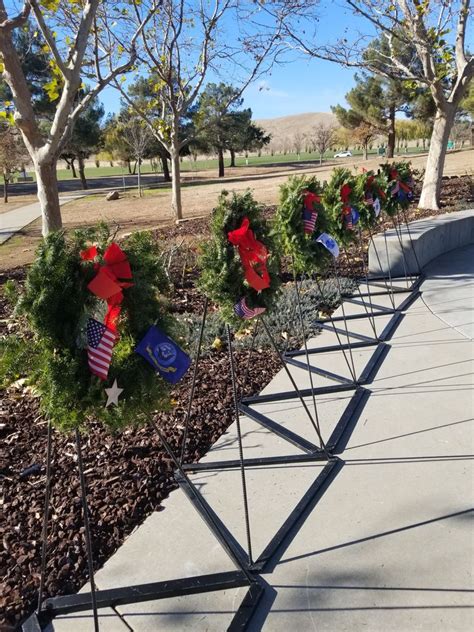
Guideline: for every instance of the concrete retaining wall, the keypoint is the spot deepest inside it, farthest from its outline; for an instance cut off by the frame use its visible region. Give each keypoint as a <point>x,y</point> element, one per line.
<point>430,238</point>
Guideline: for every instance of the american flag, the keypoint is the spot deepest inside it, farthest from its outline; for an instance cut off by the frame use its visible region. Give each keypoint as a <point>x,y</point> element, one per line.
<point>347,219</point>
<point>309,221</point>
<point>243,311</point>
<point>100,343</point>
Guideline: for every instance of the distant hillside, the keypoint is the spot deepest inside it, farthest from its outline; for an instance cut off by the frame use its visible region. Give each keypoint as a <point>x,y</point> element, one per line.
<point>284,128</point>
<point>302,123</point>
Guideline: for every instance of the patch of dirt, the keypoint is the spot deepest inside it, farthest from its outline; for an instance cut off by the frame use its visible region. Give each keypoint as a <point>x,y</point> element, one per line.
<point>128,474</point>
<point>154,211</point>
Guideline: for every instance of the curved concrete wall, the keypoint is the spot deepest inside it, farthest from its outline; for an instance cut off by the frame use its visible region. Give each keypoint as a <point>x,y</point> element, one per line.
<point>430,238</point>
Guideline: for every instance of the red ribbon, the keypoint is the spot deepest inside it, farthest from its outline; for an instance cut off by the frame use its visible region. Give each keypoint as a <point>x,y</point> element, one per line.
<point>310,199</point>
<point>253,255</point>
<point>109,280</point>
<point>395,176</point>
<point>370,181</point>
<point>345,194</point>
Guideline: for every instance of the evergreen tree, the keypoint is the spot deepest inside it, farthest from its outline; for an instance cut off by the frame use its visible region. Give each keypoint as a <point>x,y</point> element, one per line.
<point>86,138</point>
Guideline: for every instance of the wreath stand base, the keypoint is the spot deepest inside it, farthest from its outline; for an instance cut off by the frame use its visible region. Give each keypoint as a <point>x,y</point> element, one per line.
<point>309,453</point>
<point>94,600</point>
<point>375,286</point>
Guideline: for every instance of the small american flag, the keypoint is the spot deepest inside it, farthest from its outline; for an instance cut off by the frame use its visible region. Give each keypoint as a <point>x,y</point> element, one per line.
<point>309,221</point>
<point>243,311</point>
<point>100,343</point>
<point>347,220</point>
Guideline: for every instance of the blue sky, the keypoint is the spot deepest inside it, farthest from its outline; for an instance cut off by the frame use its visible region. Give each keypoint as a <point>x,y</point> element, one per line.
<point>301,85</point>
<point>295,88</point>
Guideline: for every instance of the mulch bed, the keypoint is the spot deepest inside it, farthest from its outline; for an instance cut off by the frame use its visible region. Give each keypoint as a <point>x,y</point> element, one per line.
<point>128,474</point>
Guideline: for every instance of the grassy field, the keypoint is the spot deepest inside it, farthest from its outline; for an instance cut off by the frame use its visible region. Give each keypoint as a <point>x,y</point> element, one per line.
<point>189,165</point>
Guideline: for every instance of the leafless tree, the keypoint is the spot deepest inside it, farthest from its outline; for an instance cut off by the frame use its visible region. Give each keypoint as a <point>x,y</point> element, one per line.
<point>298,142</point>
<point>79,40</point>
<point>186,41</point>
<point>13,156</point>
<point>138,137</point>
<point>323,137</point>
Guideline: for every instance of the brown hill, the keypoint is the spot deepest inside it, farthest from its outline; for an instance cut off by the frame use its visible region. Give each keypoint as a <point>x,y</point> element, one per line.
<point>302,123</point>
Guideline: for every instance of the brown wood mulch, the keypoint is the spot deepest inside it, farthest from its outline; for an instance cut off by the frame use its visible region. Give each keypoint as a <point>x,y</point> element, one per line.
<point>128,473</point>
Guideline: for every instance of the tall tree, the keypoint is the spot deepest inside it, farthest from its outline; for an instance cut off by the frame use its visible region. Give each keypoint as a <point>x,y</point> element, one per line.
<point>244,135</point>
<point>86,138</point>
<point>81,44</point>
<point>217,118</point>
<point>185,42</point>
<point>436,31</point>
<point>375,102</point>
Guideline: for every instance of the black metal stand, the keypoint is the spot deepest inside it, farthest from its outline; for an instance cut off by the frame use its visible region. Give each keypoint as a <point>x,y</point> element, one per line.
<point>94,600</point>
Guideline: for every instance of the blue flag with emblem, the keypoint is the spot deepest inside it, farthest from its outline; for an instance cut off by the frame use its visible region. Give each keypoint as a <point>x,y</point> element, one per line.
<point>164,355</point>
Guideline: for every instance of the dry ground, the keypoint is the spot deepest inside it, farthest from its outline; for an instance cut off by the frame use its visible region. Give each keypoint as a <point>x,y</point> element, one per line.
<point>154,209</point>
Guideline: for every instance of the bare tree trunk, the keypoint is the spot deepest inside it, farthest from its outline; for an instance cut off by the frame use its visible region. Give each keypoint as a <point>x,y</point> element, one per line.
<point>48,195</point>
<point>5,189</point>
<point>82,173</point>
<point>166,169</point>
<point>232,158</point>
<point>320,158</point>
<point>71,165</point>
<point>391,133</point>
<point>176,204</point>
<point>430,193</point>
<point>366,152</point>
<point>129,167</point>
<point>220,158</point>
<point>73,168</point>
<point>139,179</point>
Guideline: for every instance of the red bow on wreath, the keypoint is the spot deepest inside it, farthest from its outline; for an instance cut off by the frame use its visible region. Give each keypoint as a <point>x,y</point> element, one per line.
<point>370,181</point>
<point>253,255</point>
<point>346,207</point>
<point>310,199</point>
<point>108,282</point>
<point>398,183</point>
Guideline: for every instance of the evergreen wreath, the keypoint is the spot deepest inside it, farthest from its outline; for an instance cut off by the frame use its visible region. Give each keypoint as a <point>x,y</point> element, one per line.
<point>222,277</point>
<point>371,187</point>
<point>51,317</point>
<point>342,197</point>
<point>399,186</point>
<point>288,227</point>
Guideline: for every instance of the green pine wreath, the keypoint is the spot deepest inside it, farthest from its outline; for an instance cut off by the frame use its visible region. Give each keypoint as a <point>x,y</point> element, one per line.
<point>222,277</point>
<point>333,204</point>
<point>370,185</point>
<point>306,254</point>
<point>393,172</point>
<point>51,316</point>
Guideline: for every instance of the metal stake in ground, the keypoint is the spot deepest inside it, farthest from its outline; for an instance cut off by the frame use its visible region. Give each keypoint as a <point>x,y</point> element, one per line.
<point>404,213</point>
<point>44,534</point>
<point>87,531</point>
<point>374,246</point>
<point>193,383</point>
<point>305,342</point>
<point>338,283</point>
<point>239,437</point>
<point>292,380</point>
<point>336,331</point>
<point>366,277</point>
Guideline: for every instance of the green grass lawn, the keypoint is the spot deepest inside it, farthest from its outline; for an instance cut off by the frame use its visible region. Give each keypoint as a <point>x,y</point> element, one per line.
<point>203,165</point>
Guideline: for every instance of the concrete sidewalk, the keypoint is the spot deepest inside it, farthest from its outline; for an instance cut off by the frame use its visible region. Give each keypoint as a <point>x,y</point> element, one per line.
<point>389,546</point>
<point>17,219</point>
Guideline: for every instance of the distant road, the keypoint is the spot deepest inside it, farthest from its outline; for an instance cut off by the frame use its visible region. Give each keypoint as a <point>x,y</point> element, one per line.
<point>73,185</point>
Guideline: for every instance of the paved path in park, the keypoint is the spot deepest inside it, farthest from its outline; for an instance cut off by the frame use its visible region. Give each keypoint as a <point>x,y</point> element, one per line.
<point>389,545</point>
<point>14,221</point>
